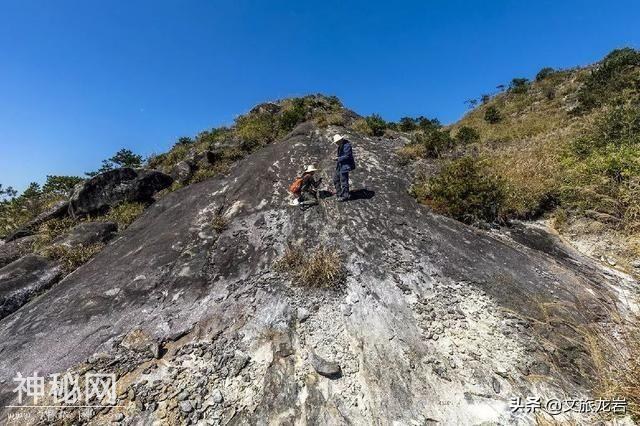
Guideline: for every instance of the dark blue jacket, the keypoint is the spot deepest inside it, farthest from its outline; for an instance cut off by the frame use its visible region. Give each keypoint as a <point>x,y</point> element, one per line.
<point>345,163</point>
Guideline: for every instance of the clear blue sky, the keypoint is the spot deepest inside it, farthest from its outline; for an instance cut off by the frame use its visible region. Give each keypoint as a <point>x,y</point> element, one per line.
<point>81,79</point>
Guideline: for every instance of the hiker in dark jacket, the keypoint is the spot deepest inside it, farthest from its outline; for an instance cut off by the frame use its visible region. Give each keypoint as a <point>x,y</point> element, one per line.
<point>309,188</point>
<point>344,164</point>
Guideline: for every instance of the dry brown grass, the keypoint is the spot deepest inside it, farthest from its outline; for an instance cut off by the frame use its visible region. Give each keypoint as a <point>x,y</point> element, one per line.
<point>219,223</point>
<point>319,268</point>
<point>72,257</point>
<point>617,362</point>
<point>411,152</point>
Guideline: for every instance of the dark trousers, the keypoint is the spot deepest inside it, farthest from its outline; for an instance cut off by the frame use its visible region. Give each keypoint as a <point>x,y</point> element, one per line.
<point>341,183</point>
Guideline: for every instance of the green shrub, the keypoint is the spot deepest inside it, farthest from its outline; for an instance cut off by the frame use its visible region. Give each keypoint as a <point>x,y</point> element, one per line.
<point>255,130</point>
<point>544,73</point>
<point>407,124</point>
<point>17,211</point>
<point>603,166</point>
<point>435,142</point>
<point>377,124</point>
<point>467,135</point>
<point>464,191</point>
<point>492,115</point>
<point>519,85</point>
<point>293,114</point>
<point>123,158</point>
<point>60,185</point>
<point>617,73</point>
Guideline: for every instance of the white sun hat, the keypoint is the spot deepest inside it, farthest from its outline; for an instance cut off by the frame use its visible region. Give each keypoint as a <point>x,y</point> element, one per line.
<point>337,138</point>
<point>310,168</point>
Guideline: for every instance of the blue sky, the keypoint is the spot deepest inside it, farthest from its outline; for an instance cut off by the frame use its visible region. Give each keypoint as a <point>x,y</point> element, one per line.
<point>81,79</point>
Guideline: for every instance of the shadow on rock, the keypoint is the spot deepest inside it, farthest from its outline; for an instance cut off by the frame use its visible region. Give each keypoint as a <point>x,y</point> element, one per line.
<point>361,194</point>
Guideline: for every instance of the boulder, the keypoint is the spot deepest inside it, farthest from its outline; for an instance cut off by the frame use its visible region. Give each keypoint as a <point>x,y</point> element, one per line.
<point>15,249</point>
<point>88,233</point>
<point>326,368</point>
<point>25,278</point>
<point>182,171</point>
<point>108,189</point>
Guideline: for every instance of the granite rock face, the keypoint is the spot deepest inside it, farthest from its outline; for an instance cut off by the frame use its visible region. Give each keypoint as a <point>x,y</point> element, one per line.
<point>88,233</point>
<point>23,279</point>
<point>445,322</point>
<point>15,249</point>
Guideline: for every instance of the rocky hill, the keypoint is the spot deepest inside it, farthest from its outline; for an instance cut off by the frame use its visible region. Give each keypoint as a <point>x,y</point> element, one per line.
<point>196,310</point>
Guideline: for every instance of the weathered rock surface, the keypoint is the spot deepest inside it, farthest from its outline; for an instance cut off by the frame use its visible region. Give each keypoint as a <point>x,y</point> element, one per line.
<point>23,279</point>
<point>88,233</point>
<point>116,186</point>
<point>182,171</point>
<point>15,249</point>
<point>446,322</point>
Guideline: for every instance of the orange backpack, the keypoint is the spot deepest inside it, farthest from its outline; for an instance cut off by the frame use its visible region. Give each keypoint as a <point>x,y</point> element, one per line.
<point>296,186</point>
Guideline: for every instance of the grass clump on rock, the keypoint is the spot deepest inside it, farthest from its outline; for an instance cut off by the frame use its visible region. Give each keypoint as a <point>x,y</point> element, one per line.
<point>72,258</point>
<point>320,267</point>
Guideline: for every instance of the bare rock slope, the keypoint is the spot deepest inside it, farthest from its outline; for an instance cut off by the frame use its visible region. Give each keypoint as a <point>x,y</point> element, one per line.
<point>435,322</point>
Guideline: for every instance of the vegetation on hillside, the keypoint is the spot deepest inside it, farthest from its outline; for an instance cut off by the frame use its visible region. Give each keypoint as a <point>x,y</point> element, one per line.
<point>566,144</point>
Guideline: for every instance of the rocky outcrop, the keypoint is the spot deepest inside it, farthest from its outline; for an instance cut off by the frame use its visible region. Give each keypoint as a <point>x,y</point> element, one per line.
<point>15,249</point>
<point>110,188</point>
<point>23,279</point>
<point>435,321</point>
<point>88,233</point>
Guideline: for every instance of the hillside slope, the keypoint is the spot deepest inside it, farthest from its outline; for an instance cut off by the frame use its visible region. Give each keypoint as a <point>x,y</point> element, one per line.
<point>436,321</point>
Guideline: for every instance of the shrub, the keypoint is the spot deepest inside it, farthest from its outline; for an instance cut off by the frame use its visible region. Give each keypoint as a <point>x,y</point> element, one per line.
<point>71,258</point>
<point>318,268</point>
<point>255,130</point>
<point>292,114</point>
<point>428,124</point>
<point>608,81</point>
<point>463,191</point>
<point>123,158</point>
<point>519,85</point>
<point>435,142</point>
<point>60,185</point>
<point>377,124</point>
<point>492,115</point>
<point>485,99</point>
<point>407,124</point>
<point>467,135</point>
<point>17,211</point>
<point>603,166</point>
<point>544,73</point>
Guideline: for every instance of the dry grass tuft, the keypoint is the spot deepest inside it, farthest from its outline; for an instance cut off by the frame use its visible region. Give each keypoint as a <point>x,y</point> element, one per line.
<point>219,223</point>
<point>318,268</point>
<point>124,214</point>
<point>72,257</point>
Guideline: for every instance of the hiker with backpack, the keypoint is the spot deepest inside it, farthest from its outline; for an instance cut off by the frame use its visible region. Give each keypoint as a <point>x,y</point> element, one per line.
<point>306,188</point>
<point>344,164</point>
